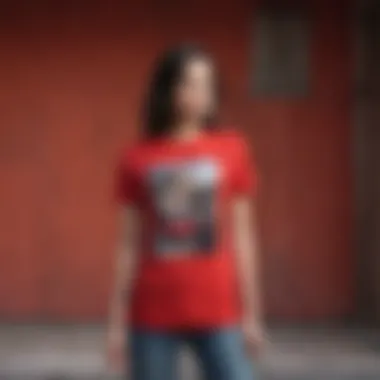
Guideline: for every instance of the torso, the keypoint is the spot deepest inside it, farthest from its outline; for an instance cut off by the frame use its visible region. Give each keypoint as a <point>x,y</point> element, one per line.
<point>187,274</point>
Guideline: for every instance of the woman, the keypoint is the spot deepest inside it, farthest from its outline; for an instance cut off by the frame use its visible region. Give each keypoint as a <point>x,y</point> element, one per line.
<point>186,269</point>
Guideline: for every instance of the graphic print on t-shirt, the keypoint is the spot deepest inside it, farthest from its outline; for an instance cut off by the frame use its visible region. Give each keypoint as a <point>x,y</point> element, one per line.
<point>183,195</point>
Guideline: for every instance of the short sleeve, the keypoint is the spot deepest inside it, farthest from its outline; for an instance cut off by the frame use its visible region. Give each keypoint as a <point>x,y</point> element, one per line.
<point>244,172</point>
<point>126,184</point>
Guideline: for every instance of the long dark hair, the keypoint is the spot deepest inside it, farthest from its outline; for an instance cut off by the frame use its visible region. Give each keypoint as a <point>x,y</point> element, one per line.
<point>158,111</point>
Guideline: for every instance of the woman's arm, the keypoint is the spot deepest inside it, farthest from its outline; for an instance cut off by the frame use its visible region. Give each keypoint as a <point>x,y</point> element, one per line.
<point>124,275</point>
<point>247,259</point>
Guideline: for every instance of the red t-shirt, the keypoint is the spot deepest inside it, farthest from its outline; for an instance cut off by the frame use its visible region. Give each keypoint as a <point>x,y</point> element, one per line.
<point>183,191</point>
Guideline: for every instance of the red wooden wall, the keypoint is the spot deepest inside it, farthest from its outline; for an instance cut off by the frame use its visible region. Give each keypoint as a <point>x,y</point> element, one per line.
<point>71,85</point>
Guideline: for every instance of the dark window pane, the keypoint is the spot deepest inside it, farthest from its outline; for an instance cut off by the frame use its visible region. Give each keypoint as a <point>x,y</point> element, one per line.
<point>281,53</point>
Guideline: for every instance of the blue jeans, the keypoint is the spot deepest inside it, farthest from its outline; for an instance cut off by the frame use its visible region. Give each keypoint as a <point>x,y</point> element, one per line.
<point>220,353</point>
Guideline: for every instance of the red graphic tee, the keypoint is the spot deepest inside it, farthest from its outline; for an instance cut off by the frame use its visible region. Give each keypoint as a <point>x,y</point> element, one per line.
<point>184,191</point>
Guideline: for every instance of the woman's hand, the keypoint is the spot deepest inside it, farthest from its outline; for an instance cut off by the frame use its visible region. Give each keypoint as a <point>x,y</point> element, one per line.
<point>116,353</point>
<point>125,270</point>
<point>254,338</point>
